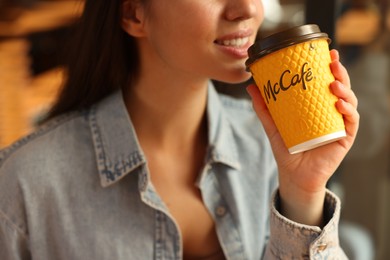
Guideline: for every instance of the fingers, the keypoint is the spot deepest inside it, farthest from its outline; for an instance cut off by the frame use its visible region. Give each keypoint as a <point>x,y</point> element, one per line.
<point>339,71</point>
<point>351,117</point>
<point>342,92</point>
<point>341,87</point>
<point>334,55</point>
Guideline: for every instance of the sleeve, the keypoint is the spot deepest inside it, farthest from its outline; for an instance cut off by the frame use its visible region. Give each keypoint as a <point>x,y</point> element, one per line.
<point>13,242</point>
<point>291,240</point>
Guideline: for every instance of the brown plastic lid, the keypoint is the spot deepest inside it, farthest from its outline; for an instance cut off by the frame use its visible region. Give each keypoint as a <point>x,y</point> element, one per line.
<point>283,39</point>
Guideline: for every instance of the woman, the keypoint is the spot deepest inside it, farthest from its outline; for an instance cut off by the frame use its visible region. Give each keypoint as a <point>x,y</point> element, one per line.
<point>142,159</point>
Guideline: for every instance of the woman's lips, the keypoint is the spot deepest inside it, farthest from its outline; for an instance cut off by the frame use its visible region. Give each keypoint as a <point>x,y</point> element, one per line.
<point>236,47</point>
<point>235,42</point>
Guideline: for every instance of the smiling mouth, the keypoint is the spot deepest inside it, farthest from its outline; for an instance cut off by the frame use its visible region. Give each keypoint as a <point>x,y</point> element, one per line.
<point>237,42</point>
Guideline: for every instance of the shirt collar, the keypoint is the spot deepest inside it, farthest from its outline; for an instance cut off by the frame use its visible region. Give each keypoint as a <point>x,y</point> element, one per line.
<point>118,151</point>
<point>116,145</point>
<point>222,145</point>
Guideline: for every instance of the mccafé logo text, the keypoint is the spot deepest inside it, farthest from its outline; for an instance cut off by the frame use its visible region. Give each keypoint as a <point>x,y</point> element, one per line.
<point>286,81</point>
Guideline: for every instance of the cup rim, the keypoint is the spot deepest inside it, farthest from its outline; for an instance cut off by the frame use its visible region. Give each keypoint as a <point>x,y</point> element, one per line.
<point>283,39</point>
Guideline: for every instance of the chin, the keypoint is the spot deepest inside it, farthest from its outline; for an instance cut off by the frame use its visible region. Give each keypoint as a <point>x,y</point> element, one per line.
<point>236,77</point>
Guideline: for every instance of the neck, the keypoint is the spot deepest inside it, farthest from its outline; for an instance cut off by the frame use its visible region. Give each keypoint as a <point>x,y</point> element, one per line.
<point>167,105</point>
<point>168,115</point>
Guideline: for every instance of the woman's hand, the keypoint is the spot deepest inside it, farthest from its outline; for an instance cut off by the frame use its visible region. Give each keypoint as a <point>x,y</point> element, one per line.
<point>303,176</point>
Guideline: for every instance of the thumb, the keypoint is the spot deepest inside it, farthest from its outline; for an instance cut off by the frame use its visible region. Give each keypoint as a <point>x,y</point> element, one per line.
<point>265,117</point>
<point>261,110</point>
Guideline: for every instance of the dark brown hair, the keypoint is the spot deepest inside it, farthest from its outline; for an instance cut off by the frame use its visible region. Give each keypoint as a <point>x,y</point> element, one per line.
<point>101,58</point>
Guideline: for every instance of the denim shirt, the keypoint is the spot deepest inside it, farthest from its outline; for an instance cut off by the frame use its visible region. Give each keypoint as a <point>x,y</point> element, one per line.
<point>79,188</point>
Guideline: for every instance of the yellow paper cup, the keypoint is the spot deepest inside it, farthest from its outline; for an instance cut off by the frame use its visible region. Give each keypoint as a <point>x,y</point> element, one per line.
<point>291,69</point>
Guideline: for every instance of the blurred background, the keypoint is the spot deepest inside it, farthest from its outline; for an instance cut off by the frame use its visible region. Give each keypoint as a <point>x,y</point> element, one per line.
<point>33,34</point>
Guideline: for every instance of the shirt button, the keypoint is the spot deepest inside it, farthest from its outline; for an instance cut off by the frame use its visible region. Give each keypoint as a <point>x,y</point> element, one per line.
<point>321,247</point>
<point>220,211</point>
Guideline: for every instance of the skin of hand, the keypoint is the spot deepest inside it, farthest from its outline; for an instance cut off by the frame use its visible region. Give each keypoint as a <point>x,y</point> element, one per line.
<point>303,176</point>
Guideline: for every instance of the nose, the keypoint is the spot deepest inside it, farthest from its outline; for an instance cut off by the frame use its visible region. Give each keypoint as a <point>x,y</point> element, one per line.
<point>237,10</point>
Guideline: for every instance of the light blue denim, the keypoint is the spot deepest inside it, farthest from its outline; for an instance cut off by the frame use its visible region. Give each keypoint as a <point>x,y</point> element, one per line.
<point>79,188</point>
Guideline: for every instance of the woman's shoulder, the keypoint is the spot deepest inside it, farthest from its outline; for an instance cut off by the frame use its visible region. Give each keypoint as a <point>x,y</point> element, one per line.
<point>38,164</point>
<point>45,143</point>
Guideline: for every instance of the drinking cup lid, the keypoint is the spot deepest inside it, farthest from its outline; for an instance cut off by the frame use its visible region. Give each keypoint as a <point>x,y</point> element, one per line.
<point>283,39</point>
